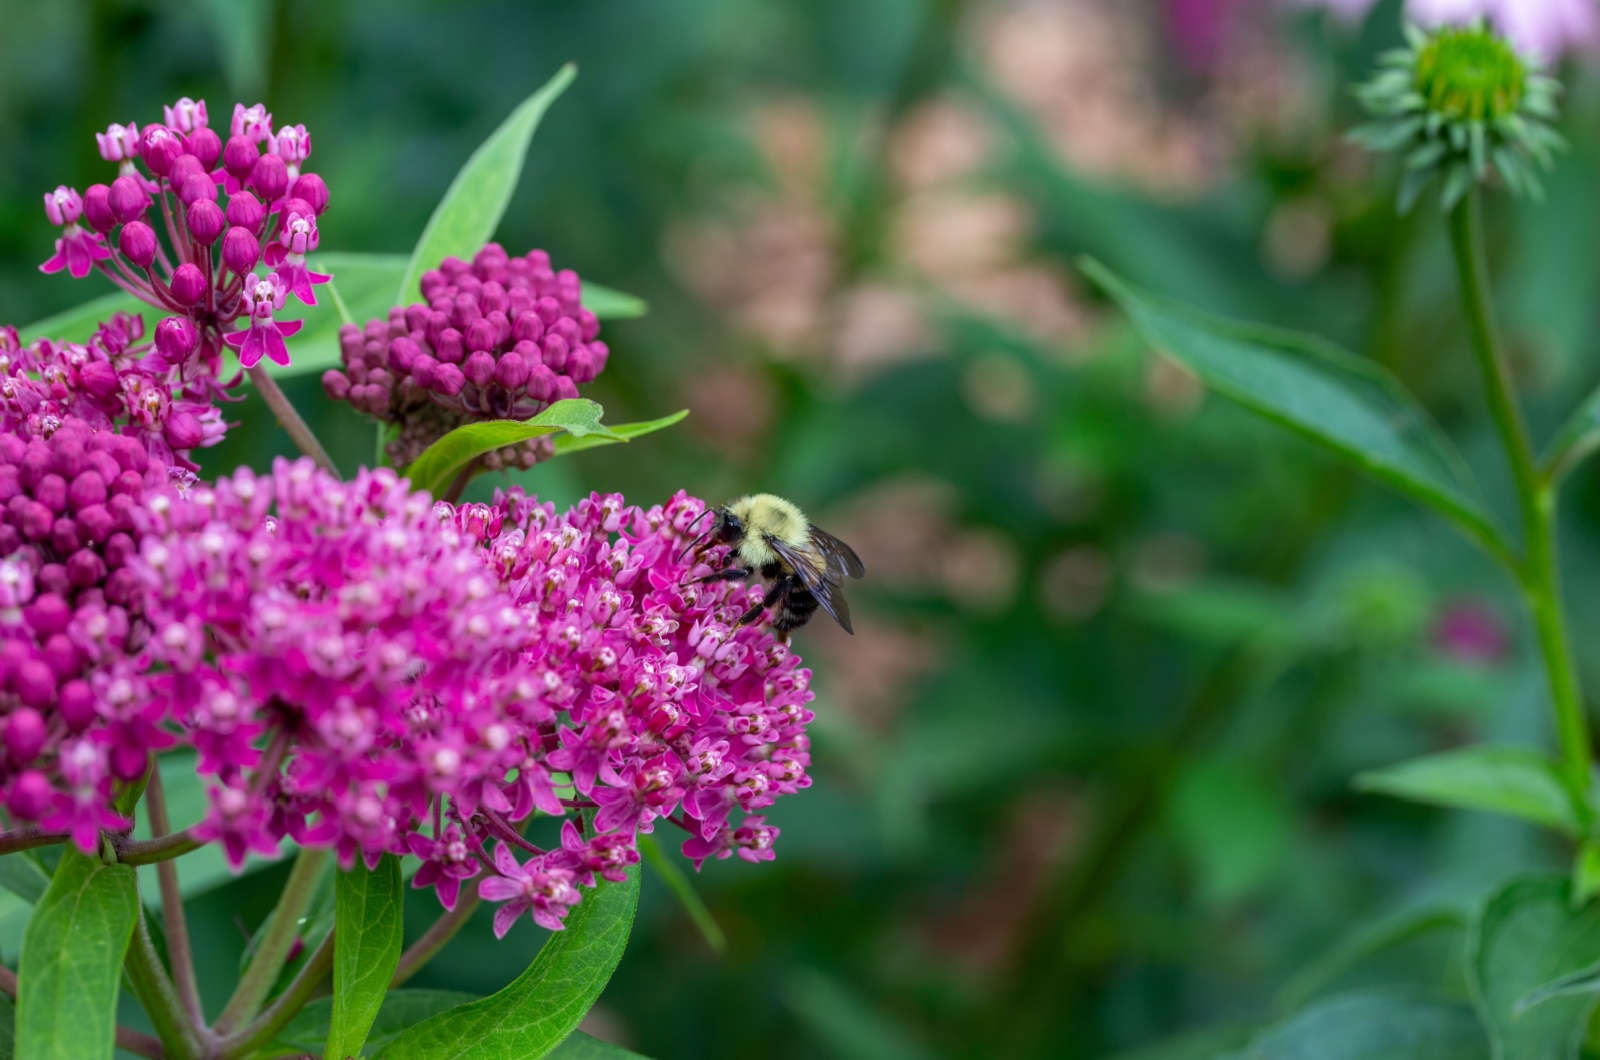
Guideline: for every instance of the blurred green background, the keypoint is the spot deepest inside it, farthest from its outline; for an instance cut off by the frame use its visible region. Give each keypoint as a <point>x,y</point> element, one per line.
<point>1083,774</point>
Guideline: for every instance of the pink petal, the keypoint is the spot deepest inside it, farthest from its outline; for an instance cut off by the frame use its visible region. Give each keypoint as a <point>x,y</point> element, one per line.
<point>505,916</point>
<point>498,889</point>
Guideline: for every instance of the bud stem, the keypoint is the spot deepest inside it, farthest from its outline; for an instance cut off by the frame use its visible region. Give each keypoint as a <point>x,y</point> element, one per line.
<point>290,419</point>
<point>1539,570</point>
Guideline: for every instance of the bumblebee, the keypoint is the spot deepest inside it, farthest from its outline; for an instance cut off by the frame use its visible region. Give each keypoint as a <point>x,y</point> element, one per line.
<point>806,566</point>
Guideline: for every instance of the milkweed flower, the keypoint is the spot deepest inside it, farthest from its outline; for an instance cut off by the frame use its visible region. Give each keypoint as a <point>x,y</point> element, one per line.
<point>497,338</point>
<point>263,337</point>
<point>187,218</point>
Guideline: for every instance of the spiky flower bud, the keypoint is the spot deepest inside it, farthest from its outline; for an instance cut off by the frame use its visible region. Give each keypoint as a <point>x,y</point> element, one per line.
<point>1458,103</point>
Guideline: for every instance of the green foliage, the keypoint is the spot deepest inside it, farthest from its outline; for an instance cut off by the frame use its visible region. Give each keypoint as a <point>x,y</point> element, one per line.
<point>366,950</point>
<point>622,432</point>
<point>308,1031</point>
<point>72,961</point>
<point>1511,780</point>
<point>543,1005</point>
<point>1398,1024</point>
<point>1528,943</point>
<point>439,464</point>
<point>582,1047</point>
<point>469,213</point>
<point>682,889</point>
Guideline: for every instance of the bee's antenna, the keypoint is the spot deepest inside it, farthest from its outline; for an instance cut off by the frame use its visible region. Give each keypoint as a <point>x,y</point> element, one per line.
<point>691,545</point>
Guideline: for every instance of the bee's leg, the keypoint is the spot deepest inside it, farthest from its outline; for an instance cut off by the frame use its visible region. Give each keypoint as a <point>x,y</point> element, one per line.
<point>779,590</point>
<point>736,574</point>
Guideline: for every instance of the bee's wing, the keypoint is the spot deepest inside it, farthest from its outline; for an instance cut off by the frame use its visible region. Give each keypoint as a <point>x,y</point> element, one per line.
<point>817,573</point>
<point>841,557</point>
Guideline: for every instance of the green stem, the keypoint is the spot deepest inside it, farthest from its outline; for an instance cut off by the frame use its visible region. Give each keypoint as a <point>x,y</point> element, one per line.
<point>180,1039</point>
<point>172,914</point>
<point>289,417</point>
<point>261,1030</point>
<point>270,956</point>
<point>1540,568</point>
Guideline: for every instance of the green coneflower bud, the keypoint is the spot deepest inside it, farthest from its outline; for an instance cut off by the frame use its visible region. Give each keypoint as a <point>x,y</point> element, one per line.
<point>1459,102</point>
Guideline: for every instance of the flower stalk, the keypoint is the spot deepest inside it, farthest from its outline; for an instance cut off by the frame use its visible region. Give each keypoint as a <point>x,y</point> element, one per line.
<point>271,955</point>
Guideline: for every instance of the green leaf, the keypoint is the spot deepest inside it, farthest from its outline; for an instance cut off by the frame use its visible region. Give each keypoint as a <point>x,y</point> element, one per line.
<point>610,304</point>
<point>72,960</point>
<point>308,1031</point>
<point>1369,940</point>
<point>1586,871</point>
<point>1583,982</point>
<point>582,1047</point>
<point>366,950</point>
<point>8,1028</point>
<point>1529,937</point>
<point>440,462</point>
<point>1510,780</point>
<point>683,889</point>
<point>850,1027</point>
<point>1394,1024</point>
<point>79,323</point>
<point>543,1005</point>
<point>470,211</point>
<point>622,432</point>
<point>1577,440</point>
<point>23,876</point>
<point>1348,405</point>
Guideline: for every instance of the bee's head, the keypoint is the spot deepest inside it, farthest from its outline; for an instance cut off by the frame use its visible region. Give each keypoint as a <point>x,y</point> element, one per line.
<point>729,528</point>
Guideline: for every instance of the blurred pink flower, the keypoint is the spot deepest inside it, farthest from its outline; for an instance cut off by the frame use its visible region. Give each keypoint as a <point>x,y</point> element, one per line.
<point>1545,28</point>
<point>1472,632</point>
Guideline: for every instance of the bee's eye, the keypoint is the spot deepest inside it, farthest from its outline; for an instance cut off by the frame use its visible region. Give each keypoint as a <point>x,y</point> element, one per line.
<point>731,526</point>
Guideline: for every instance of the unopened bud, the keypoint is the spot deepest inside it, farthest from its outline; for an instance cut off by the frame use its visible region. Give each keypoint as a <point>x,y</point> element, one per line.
<point>138,243</point>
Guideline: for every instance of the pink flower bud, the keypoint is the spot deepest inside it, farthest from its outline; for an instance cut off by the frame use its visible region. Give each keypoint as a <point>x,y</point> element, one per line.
<point>31,796</point>
<point>311,188</point>
<point>24,735</point>
<point>246,211</point>
<point>182,431</point>
<point>336,384</point>
<point>448,380</point>
<point>270,178</point>
<point>206,146</point>
<point>159,146</point>
<point>206,221</point>
<point>240,251</point>
<point>512,371</point>
<point>99,378</point>
<point>138,243</point>
<point>197,187</point>
<point>186,166</point>
<point>480,336</point>
<point>239,157</point>
<point>403,353</point>
<point>76,704</point>
<point>479,368</point>
<point>292,144</point>
<point>176,338</point>
<point>254,122</point>
<point>35,684</point>
<point>97,208</point>
<point>128,199</point>
<point>63,206</point>
<point>186,115</point>
<point>188,284</point>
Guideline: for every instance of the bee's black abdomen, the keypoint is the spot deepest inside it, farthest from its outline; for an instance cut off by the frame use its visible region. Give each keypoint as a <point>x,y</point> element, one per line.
<point>794,610</point>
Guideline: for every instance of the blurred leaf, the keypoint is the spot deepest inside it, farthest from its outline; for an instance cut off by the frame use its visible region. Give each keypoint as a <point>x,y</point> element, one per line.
<point>544,1004</point>
<point>470,211</point>
<point>1584,982</point>
<point>244,31</point>
<point>366,950</point>
<point>582,1047</point>
<point>1369,940</point>
<point>308,1031</point>
<point>23,876</point>
<point>1586,871</point>
<point>1235,828</point>
<point>622,432</point>
<point>72,960</point>
<point>682,888</point>
<point>846,1024</point>
<point>1512,780</point>
<point>439,464</point>
<point>1207,1044</point>
<point>610,304</point>
<point>1394,1024</point>
<point>1577,440</point>
<point>1351,406</point>
<point>1529,937</point>
<point>79,323</point>
<point>8,1028</point>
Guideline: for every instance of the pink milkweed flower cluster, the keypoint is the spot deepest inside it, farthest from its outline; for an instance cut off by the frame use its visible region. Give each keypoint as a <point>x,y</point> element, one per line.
<point>152,389</point>
<point>363,669</point>
<point>163,231</point>
<point>499,338</point>
<point>1547,29</point>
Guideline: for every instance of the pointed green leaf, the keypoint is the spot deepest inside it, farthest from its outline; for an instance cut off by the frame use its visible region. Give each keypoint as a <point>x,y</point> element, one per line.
<point>1583,982</point>
<point>79,323</point>
<point>1398,1023</point>
<point>610,304</point>
<point>23,876</point>
<point>543,1005</point>
<point>72,961</point>
<point>439,464</point>
<point>683,890</point>
<point>1510,780</point>
<point>470,211</point>
<point>622,432</point>
<point>1346,404</point>
<point>1530,938</point>
<point>366,950</point>
<point>1576,441</point>
<point>582,1047</point>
